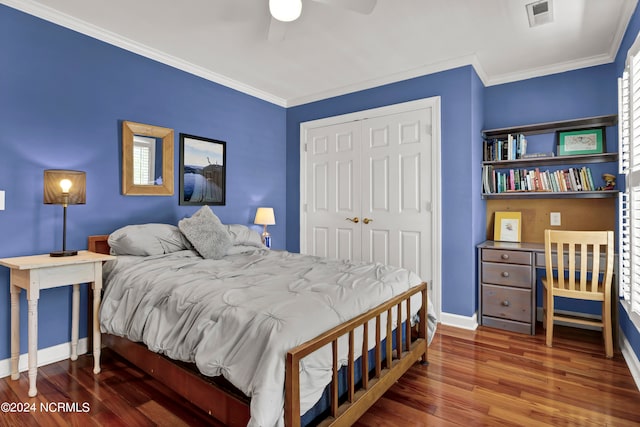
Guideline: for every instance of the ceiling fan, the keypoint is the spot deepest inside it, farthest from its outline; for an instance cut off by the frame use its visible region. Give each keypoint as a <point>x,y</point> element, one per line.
<point>283,11</point>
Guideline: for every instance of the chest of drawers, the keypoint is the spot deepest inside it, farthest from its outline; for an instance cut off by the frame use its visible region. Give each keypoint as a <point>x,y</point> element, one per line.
<point>506,289</point>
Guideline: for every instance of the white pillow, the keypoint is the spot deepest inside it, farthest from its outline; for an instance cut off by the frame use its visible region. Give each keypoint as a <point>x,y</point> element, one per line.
<point>241,235</point>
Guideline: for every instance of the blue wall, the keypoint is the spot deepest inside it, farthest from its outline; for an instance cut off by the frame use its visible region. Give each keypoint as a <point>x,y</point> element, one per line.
<point>631,331</point>
<point>478,204</point>
<point>582,93</point>
<point>63,96</point>
<point>461,94</point>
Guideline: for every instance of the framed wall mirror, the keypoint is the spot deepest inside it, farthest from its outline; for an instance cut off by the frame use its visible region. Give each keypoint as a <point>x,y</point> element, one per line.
<point>147,160</point>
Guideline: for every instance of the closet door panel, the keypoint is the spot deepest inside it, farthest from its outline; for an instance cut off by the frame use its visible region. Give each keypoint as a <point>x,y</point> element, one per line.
<point>401,142</point>
<point>333,191</point>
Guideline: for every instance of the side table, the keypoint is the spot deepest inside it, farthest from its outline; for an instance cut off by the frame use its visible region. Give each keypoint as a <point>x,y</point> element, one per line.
<point>37,272</point>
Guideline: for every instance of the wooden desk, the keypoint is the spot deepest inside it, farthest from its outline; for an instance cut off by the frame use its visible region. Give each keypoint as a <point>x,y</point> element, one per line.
<point>37,272</point>
<point>507,284</point>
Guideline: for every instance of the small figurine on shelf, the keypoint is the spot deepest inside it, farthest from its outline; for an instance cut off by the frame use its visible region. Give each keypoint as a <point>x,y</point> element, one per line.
<point>609,180</point>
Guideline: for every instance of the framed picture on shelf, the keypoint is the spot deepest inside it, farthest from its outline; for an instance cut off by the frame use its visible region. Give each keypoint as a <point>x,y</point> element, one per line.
<point>577,142</point>
<point>202,171</point>
<point>507,226</point>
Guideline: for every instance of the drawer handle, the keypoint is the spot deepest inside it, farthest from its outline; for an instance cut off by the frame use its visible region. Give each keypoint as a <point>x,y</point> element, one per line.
<point>506,303</point>
<point>505,274</point>
<point>505,256</point>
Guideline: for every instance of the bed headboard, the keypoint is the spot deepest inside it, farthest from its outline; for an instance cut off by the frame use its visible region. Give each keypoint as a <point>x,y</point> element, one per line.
<point>99,244</point>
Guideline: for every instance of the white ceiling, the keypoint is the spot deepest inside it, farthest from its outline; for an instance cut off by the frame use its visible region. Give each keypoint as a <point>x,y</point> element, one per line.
<point>330,51</point>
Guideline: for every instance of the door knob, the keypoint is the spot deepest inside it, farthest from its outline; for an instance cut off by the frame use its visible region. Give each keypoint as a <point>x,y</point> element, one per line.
<point>367,220</point>
<point>355,219</point>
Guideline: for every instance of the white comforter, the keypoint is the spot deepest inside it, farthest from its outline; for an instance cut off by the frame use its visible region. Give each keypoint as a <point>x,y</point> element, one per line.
<point>238,316</point>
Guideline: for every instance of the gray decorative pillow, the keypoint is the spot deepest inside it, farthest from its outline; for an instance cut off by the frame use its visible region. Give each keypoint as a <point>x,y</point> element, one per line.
<point>206,233</point>
<point>147,240</point>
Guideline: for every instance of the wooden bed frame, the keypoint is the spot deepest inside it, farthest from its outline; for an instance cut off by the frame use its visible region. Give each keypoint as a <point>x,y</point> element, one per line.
<point>219,399</point>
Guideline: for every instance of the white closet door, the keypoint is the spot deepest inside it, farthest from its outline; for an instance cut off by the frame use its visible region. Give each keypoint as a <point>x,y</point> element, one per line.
<point>382,165</point>
<point>333,191</point>
<point>396,190</point>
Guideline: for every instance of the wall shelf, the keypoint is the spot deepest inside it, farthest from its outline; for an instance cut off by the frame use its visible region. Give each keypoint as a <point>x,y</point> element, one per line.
<point>557,161</point>
<point>564,125</point>
<point>551,161</point>
<point>552,195</point>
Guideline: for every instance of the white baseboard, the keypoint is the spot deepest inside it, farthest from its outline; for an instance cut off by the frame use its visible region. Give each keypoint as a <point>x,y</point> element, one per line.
<point>46,356</point>
<point>459,321</point>
<point>630,357</point>
<point>471,323</point>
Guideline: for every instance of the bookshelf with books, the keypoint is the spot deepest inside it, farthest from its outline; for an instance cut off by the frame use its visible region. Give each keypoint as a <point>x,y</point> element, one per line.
<point>513,163</point>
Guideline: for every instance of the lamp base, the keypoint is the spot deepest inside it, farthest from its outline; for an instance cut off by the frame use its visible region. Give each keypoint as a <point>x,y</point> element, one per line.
<point>266,238</point>
<point>63,253</point>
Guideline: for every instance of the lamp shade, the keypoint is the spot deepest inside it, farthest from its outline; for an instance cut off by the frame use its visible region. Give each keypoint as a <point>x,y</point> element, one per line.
<point>265,216</point>
<point>57,180</point>
<point>1,200</point>
<point>285,10</point>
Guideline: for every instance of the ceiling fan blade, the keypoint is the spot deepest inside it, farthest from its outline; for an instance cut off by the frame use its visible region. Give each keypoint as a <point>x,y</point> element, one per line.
<point>277,30</point>
<point>361,6</point>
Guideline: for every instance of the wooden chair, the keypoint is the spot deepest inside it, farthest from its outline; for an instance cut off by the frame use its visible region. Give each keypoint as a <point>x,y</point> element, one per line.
<point>584,277</point>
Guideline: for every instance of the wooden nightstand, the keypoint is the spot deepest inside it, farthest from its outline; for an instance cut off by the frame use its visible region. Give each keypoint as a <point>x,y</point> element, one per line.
<point>33,273</point>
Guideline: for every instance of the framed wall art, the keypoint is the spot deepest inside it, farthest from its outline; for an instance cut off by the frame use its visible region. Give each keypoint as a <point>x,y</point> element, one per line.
<point>507,226</point>
<point>578,142</point>
<point>202,170</point>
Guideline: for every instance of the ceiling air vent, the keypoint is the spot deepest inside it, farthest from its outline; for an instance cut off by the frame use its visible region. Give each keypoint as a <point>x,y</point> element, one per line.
<point>540,12</point>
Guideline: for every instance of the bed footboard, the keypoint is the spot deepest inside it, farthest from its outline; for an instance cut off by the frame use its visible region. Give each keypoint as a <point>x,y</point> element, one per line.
<point>371,387</point>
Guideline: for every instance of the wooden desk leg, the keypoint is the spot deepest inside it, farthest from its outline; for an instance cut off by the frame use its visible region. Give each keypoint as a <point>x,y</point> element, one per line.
<point>33,344</point>
<point>15,331</point>
<point>97,287</point>
<point>75,321</point>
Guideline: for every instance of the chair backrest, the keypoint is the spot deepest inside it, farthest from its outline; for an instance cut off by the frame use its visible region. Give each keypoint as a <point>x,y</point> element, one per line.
<point>568,251</point>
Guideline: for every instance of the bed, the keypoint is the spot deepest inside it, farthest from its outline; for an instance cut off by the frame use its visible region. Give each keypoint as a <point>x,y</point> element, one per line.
<point>220,329</point>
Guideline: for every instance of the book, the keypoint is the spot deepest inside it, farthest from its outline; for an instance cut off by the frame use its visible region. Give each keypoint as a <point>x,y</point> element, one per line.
<point>590,177</point>
<point>567,181</point>
<point>584,179</point>
<point>523,146</point>
<point>487,177</point>
<point>524,180</point>
<point>538,183</point>
<point>576,177</point>
<point>537,155</point>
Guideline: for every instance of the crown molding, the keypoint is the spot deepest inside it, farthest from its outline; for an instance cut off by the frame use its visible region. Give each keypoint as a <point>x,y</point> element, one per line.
<point>627,13</point>
<point>54,16</point>
<point>67,21</point>
<point>551,69</point>
<point>393,78</point>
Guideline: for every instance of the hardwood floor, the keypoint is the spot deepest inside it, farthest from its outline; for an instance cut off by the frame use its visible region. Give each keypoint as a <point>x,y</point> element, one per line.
<point>475,378</point>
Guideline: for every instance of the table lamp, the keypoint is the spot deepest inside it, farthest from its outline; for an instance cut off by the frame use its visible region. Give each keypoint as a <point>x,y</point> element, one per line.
<point>64,187</point>
<point>265,216</point>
